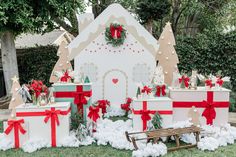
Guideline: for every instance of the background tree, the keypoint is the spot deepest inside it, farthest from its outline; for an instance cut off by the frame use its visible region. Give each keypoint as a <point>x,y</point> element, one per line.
<point>152,10</point>
<point>23,16</point>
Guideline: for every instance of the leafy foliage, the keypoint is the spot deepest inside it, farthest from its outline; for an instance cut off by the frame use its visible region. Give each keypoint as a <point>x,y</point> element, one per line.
<point>152,9</point>
<point>38,16</point>
<point>36,63</point>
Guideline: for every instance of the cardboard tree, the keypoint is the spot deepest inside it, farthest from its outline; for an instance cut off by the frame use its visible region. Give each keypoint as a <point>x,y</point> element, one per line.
<point>63,62</point>
<point>166,55</point>
<point>16,97</point>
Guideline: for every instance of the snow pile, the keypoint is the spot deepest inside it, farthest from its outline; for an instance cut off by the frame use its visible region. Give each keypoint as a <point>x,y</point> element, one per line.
<point>188,138</point>
<point>113,133</point>
<point>152,150</point>
<point>36,144</point>
<point>114,110</point>
<point>5,143</point>
<point>72,141</point>
<point>181,124</point>
<point>208,143</point>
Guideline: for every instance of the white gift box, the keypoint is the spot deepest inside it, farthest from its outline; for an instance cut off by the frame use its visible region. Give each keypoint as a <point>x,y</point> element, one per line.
<point>212,100</point>
<point>162,105</point>
<point>50,123</point>
<point>19,138</point>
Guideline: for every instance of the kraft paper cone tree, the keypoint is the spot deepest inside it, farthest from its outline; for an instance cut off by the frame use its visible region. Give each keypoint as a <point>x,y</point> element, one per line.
<point>63,62</point>
<point>167,56</point>
<point>16,97</point>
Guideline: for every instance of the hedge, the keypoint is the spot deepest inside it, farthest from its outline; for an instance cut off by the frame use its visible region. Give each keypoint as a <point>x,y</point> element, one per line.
<point>36,63</point>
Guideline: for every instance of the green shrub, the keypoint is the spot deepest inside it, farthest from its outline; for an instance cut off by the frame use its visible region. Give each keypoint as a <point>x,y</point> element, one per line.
<point>36,63</point>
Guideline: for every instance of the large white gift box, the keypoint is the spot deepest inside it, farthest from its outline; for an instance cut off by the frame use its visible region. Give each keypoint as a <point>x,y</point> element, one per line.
<point>212,104</point>
<point>50,123</point>
<point>16,131</point>
<point>144,109</point>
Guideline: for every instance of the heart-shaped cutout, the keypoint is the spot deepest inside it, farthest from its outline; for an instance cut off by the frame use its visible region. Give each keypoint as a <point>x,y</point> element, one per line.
<point>115,80</point>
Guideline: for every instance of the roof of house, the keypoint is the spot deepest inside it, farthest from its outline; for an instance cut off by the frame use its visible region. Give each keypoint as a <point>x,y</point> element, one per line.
<point>113,13</point>
<point>31,40</point>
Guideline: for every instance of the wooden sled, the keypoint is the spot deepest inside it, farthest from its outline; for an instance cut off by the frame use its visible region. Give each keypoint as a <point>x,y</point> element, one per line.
<point>155,136</point>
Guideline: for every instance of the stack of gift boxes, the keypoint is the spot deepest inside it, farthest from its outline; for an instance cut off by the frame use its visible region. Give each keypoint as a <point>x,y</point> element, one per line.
<point>50,122</point>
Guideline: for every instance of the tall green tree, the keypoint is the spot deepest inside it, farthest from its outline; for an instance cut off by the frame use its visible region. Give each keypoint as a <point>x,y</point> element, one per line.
<point>22,16</point>
<point>152,10</point>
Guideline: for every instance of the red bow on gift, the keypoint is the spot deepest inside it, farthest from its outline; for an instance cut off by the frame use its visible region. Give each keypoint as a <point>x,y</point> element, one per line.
<point>103,105</point>
<point>220,82</point>
<point>185,79</point>
<point>145,115</point>
<point>115,31</point>
<point>53,114</point>
<point>209,113</point>
<point>208,83</point>
<point>160,90</point>
<point>65,77</point>
<point>146,89</point>
<point>93,113</point>
<point>16,124</point>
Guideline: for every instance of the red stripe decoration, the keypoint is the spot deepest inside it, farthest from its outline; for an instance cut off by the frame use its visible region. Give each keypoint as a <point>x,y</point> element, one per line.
<point>16,126</point>
<point>145,114</point>
<point>79,96</point>
<point>209,105</point>
<point>49,114</point>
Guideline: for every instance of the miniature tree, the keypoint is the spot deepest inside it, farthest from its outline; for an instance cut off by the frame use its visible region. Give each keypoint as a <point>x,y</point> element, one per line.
<point>63,63</point>
<point>138,92</point>
<point>167,56</point>
<point>86,80</point>
<point>16,97</point>
<point>157,121</point>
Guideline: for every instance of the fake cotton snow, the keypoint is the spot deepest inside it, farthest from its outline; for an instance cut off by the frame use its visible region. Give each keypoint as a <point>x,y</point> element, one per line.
<point>152,150</point>
<point>208,143</point>
<point>5,144</point>
<point>113,110</point>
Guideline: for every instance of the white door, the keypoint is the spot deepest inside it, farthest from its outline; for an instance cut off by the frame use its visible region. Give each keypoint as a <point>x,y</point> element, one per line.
<point>115,87</point>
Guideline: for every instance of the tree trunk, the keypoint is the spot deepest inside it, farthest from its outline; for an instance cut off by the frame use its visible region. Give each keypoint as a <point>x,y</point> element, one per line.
<point>149,25</point>
<point>9,60</point>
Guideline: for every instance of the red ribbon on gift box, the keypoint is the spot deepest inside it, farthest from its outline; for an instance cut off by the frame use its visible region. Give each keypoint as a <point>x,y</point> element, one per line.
<point>49,114</point>
<point>16,125</point>
<point>209,112</point>
<point>79,96</point>
<point>145,114</point>
<point>209,83</point>
<point>220,82</point>
<point>160,90</point>
<point>94,113</point>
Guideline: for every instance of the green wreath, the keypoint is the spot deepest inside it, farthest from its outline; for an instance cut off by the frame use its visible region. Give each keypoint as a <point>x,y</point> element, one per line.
<point>115,34</point>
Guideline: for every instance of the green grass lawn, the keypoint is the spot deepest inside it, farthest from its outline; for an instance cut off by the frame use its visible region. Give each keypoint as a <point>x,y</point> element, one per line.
<point>108,151</point>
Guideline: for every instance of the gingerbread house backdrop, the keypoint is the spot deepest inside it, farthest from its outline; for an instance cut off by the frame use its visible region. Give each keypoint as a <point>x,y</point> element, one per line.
<point>114,71</point>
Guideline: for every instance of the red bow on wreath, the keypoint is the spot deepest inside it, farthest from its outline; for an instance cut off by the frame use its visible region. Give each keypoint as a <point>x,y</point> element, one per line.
<point>65,77</point>
<point>115,31</point>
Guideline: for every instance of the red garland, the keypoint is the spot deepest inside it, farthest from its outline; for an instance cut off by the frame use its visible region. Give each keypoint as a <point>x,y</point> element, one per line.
<point>16,125</point>
<point>65,77</point>
<point>185,80</point>
<point>115,31</point>
<point>103,105</point>
<point>94,113</point>
<point>146,89</point>
<point>160,90</point>
<point>208,83</point>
